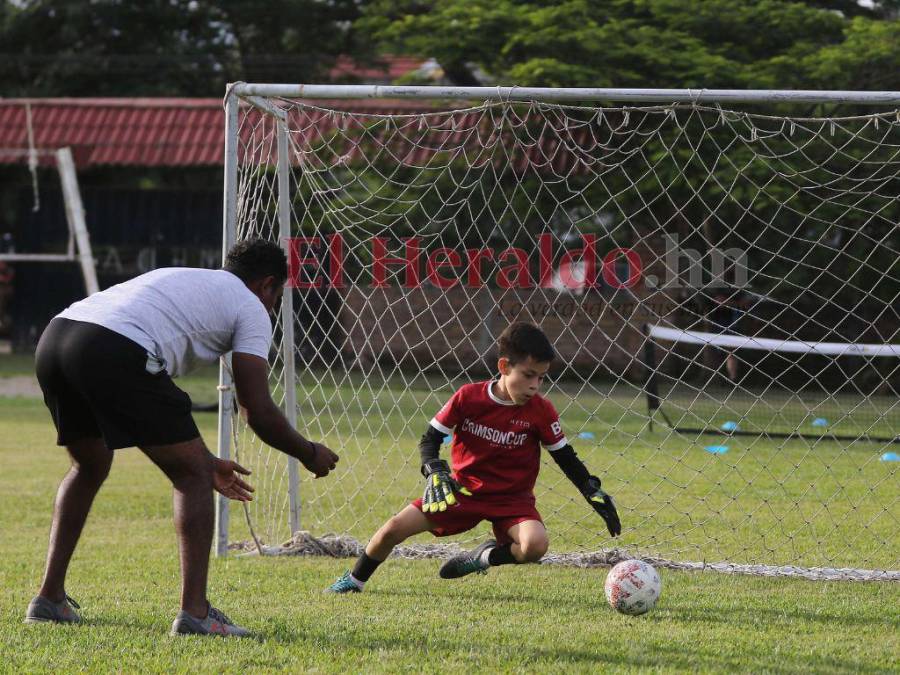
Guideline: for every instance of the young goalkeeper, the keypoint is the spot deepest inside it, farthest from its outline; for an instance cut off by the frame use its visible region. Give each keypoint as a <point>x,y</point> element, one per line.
<point>497,429</point>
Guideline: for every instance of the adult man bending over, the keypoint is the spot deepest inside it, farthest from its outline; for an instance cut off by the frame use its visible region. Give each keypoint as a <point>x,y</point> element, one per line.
<point>105,366</point>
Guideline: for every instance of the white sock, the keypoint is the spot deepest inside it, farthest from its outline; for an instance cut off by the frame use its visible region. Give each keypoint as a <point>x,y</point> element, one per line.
<point>485,556</point>
<point>359,584</point>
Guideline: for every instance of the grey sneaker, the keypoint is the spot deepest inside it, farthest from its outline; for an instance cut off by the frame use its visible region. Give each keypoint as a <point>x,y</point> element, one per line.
<point>344,585</point>
<point>42,610</point>
<point>215,623</point>
<point>466,563</point>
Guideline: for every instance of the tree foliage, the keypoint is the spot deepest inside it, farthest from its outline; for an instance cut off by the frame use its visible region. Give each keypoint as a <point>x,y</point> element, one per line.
<point>740,44</point>
<point>649,43</point>
<point>166,47</point>
<point>193,47</point>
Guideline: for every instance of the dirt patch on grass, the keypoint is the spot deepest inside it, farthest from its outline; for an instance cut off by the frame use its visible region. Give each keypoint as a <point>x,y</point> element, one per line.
<point>20,385</point>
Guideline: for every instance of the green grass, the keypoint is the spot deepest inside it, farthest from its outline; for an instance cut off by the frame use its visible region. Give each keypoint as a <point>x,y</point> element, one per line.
<point>530,618</point>
<point>803,502</point>
<point>16,364</point>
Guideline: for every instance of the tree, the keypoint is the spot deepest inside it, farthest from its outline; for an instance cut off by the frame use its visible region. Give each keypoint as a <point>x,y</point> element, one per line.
<point>166,47</point>
<point>648,43</point>
<point>741,44</point>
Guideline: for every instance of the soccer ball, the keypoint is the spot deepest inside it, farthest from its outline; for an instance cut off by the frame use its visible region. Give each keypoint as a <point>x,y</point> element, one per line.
<point>632,587</point>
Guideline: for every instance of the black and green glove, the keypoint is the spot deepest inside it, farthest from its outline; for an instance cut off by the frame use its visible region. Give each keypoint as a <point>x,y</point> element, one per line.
<point>440,487</point>
<point>603,504</point>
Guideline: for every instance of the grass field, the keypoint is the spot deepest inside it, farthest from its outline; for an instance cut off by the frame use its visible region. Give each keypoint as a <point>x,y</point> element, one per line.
<point>807,502</point>
<point>534,618</point>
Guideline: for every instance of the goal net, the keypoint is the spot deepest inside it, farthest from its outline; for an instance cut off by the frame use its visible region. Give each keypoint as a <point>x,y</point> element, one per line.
<point>658,245</point>
<point>776,388</point>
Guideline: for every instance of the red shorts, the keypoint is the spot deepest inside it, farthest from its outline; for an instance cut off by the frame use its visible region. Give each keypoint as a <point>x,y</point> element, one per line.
<point>469,511</point>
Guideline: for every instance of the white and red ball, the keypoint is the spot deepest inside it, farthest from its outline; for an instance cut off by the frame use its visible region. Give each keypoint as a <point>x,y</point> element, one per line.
<point>632,587</point>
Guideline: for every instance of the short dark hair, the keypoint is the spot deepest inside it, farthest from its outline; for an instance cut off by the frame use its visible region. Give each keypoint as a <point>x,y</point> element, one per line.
<point>521,340</point>
<point>253,259</point>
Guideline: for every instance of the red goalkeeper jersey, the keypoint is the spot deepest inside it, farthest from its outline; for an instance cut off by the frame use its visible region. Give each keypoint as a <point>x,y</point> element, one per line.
<point>496,443</point>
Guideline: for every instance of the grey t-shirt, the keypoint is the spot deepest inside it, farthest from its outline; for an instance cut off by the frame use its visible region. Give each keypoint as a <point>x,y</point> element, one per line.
<point>182,316</point>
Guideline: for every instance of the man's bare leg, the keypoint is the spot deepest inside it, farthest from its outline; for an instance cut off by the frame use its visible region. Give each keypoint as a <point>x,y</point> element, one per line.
<point>731,365</point>
<point>189,466</point>
<point>91,461</point>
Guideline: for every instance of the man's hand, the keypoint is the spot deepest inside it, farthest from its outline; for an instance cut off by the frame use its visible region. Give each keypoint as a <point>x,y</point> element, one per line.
<point>321,459</point>
<point>439,487</point>
<point>602,503</point>
<point>227,482</point>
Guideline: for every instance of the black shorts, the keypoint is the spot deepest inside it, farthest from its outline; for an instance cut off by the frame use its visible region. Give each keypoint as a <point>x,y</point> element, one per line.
<point>96,385</point>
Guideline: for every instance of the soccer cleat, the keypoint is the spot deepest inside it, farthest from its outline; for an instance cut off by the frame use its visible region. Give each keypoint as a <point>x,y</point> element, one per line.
<point>42,610</point>
<point>467,563</point>
<point>345,584</point>
<point>215,623</point>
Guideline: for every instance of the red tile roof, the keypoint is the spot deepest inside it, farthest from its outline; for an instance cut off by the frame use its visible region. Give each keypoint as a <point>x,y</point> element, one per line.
<point>138,131</point>
<point>190,132</point>
<point>390,69</point>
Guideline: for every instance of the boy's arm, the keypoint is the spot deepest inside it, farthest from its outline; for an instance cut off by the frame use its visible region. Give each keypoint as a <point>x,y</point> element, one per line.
<point>440,486</point>
<point>553,438</point>
<point>430,445</point>
<point>575,470</point>
<point>589,486</point>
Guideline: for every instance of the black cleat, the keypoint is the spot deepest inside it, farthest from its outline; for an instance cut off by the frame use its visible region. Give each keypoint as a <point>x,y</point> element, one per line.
<point>466,563</point>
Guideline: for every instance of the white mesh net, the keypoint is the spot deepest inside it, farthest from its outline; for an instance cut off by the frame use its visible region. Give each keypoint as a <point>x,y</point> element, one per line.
<point>429,229</point>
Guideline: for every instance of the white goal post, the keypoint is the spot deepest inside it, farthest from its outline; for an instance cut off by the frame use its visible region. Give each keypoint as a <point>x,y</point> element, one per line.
<point>78,248</point>
<point>683,247</point>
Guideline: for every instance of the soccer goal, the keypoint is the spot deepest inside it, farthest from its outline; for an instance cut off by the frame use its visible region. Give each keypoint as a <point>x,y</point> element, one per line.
<point>779,388</point>
<point>700,251</point>
<point>78,247</point>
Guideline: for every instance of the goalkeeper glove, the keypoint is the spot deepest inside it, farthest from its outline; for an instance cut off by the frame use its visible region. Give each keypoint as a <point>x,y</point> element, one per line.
<point>602,503</point>
<point>439,487</point>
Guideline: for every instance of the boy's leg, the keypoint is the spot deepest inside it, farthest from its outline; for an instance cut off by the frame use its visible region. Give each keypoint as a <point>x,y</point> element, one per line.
<point>410,521</point>
<point>522,541</point>
<point>529,543</point>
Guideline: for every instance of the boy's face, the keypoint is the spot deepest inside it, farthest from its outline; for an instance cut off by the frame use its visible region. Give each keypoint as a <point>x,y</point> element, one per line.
<point>523,379</point>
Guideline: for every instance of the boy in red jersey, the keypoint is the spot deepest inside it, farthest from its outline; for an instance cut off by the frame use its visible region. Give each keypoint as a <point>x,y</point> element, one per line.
<point>498,427</point>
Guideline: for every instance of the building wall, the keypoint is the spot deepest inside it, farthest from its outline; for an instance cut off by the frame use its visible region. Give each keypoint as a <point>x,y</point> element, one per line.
<point>595,334</point>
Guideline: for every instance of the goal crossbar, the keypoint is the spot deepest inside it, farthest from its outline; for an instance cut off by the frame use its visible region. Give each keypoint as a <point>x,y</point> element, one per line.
<point>696,337</point>
<point>352,91</point>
